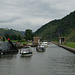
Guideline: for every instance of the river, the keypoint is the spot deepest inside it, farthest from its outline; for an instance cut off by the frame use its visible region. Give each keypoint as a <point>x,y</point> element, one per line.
<point>54,61</point>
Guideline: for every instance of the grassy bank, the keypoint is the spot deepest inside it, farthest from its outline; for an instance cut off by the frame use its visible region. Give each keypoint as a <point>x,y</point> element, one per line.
<point>22,42</point>
<point>70,44</point>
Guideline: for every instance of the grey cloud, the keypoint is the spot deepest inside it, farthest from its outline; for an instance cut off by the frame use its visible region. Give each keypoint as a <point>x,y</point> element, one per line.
<point>33,13</point>
<point>9,20</point>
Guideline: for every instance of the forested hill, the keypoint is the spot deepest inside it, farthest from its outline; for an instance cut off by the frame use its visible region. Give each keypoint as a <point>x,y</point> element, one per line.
<point>64,27</point>
<point>3,32</point>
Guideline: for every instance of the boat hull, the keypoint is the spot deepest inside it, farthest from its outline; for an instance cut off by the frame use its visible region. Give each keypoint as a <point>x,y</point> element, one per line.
<point>26,53</point>
<point>40,49</point>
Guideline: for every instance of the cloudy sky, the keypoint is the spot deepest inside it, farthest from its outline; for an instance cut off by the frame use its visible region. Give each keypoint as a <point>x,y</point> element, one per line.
<point>32,14</point>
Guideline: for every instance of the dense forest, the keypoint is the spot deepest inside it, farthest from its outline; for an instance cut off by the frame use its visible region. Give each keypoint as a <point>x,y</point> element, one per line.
<point>64,27</point>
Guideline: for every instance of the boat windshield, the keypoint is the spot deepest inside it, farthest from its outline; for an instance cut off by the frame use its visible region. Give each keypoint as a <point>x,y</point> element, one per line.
<point>28,48</point>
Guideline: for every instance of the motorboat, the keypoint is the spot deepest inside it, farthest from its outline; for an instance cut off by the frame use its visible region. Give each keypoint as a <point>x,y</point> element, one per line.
<point>45,44</point>
<point>40,48</point>
<point>26,51</point>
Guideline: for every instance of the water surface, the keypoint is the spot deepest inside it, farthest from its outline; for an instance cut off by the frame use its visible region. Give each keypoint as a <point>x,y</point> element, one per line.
<point>54,61</point>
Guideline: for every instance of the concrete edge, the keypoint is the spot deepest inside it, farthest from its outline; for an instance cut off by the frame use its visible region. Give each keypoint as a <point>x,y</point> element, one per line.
<point>67,48</point>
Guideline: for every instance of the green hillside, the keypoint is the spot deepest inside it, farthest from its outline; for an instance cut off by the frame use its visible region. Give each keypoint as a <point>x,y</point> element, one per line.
<point>3,32</point>
<point>63,27</point>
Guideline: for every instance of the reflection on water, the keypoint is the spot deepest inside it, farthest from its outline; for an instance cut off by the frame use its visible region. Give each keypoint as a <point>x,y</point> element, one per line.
<point>6,56</point>
<point>54,61</point>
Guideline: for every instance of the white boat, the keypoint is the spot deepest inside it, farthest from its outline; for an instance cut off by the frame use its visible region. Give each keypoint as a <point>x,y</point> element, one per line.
<point>40,48</point>
<point>45,44</point>
<point>26,52</point>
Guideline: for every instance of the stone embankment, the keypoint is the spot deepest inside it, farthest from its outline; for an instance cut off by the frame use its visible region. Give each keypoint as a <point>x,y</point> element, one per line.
<point>67,48</point>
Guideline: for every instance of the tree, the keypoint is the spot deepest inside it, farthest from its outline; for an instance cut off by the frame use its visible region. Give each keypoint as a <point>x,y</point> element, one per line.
<point>13,37</point>
<point>7,36</point>
<point>3,39</point>
<point>28,34</point>
<point>19,37</point>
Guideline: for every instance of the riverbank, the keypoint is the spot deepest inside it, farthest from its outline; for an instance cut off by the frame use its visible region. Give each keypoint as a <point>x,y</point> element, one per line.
<point>70,46</point>
<point>67,48</point>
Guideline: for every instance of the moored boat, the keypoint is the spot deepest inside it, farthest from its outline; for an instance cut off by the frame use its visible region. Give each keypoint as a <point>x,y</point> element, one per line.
<point>40,48</point>
<point>26,52</point>
<point>45,44</point>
